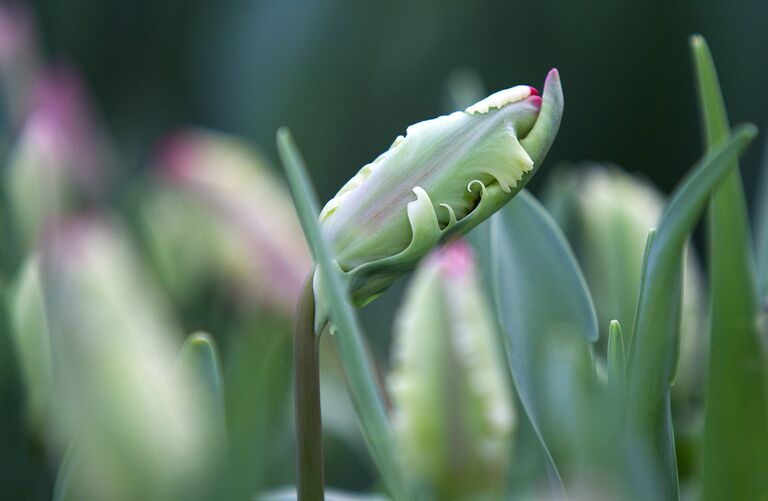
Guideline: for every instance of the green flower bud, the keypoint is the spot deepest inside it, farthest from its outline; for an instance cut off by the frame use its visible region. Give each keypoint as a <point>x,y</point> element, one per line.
<point>444,177</point>
<point>59,161</point>
<point>220,213</point>
<point>453,412</point>
<point>136,424</point>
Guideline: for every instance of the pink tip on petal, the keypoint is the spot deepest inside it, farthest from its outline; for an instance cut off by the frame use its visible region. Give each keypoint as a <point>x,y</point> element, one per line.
<point>455,258</point>
<point>174,155</point>
<point>551,76</point>
<point>533,90</point>
<point>535,100</point>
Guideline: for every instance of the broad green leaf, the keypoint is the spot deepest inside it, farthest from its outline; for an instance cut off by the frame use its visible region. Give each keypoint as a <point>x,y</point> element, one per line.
<point>532,460</point>
<point>736,409</point>
<point>480,240</point>
<point>365,391</point>
<point>655,339</point>
<point>540,294</point>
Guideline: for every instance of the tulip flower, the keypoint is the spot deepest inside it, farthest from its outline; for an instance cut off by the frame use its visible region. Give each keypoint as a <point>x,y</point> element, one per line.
<point>453,412</point>
<point>443,178</point>
<point>137,427</point>
<point>246,224</point>
<point>60,159</point>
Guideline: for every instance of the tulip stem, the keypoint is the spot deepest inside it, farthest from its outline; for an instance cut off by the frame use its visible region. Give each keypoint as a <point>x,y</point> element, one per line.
<point>309,427</point>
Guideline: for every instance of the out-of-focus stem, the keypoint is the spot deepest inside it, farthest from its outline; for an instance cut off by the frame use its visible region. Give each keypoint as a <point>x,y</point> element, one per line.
<point>309,429</point>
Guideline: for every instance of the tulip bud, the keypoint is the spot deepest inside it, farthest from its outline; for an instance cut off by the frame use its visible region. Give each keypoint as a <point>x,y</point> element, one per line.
<point>252,236</point>
<point>60,157</point>
<point>453,411</point>
<point>442,178</point>
<point>136,424</point>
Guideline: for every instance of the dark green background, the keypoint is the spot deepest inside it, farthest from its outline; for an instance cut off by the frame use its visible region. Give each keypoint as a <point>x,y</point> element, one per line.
<point>349,76</point>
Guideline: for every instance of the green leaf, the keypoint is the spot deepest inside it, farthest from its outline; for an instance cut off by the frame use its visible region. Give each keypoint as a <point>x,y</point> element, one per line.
<point>540,294</point>
<point>29,329</point>
<point>199,359</point>
<point>655,339</point>
<point>616,355</point>
<point>257,389</point>
<point>736,409</point>
<point>365,391</point>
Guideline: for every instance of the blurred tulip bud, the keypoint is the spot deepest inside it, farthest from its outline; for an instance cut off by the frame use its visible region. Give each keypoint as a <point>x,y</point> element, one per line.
<point>116,395</point>
<point>453,411</point>
<point>60,99</point>
<point>39,188</point>
<point>59,159</point>
<point>259,244</point>
<point>442,178</point>
<point>607,215</point>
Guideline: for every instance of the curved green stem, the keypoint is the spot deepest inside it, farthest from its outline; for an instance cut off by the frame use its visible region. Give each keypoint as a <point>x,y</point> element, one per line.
<point>309,426</point>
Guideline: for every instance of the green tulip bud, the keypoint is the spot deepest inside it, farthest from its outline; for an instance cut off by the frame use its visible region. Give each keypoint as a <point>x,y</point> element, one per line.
<point>443,178</point>
<point>221,192</point>
<point>58,162</point>
<point>136,423</point>
<point>453,411</point>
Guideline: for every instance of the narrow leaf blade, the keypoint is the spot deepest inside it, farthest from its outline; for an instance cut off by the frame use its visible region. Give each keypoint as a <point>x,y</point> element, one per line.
<point>616,355</point>
<point>655,339</point>
<point>736,409</point>
<point>364,389</point>
<point>199,359</point>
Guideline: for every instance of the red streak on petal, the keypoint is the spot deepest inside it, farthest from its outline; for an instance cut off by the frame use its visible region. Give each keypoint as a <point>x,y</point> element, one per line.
<point>534,92</point>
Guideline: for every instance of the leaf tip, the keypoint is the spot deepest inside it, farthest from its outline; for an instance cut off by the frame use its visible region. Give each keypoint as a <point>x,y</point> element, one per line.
<point>697,41</point>
<point>283,133</point>
<point>200,340</point>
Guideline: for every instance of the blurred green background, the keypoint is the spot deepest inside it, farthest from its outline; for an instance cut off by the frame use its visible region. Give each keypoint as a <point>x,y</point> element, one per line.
<point>349,76</point>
